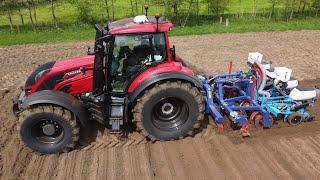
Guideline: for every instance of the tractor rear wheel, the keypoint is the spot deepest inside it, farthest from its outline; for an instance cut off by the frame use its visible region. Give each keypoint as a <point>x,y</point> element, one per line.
<point>48,129</point>
<point>169,111</point>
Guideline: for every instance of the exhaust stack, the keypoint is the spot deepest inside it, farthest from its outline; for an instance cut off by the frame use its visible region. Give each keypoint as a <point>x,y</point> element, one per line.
<point>146,7</point>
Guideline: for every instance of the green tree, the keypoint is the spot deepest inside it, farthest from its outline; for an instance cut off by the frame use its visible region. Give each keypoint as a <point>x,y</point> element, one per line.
<point>316,6</point>
<point>240,9</point>
<point>113,9</point>
<point>106,2</point>
<point>53,14</point>
<point>303,4</point>
<point>274,3</point>
<point>84,8</point>
<point>29,6</point>
<point>8,6</point>
<point>20,4</point>
<point>217,7</point>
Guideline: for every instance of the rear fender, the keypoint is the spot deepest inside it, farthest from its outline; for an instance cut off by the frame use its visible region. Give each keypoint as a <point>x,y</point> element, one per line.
<point>176,76</point>
<point>58,98</point>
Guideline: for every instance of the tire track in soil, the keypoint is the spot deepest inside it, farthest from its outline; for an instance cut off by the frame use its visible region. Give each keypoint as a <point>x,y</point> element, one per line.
<point>174,157</point>
<point>129,156</point>
<point>315,143</point>
<point>191,163</point>
<point>69,165</point>
<point>298,159</point>
<point>161,165</point>
<point>253,162</point>
<point>15,159</point>
<point>66,165</point>
<point>35,167</point>
<point>84,160</point>
<point>49,167</point>
<point>287,161</point>
<point>210,167</point>
<point>267,156</point>
<point>112,164</point>
<point>145,163</point>
<point>310,158</point>
<point>115,167</point>
<point>224,159</point>
<point>98,162</point>
<point>305,146</point>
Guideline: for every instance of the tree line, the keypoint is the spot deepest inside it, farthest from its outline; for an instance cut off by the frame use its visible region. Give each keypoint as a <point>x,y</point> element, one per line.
<point>180,12</point>
<point>9,7</point>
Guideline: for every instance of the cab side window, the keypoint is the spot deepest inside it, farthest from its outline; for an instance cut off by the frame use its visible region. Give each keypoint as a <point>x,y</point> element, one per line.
<point>131,55</point>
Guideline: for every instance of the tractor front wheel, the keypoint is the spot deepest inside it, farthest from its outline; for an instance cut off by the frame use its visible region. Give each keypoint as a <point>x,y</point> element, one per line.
<point>48,129</point>
<point>169,111</point>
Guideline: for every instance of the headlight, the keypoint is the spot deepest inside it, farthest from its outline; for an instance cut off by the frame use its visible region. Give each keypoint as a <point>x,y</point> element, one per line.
<point>39,72</point>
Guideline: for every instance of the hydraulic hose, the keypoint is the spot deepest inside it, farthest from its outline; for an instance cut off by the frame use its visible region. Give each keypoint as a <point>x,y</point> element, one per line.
<point>261,90</point>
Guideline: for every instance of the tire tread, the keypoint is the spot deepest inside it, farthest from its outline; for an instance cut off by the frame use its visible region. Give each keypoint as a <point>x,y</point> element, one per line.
<point>59,111</point>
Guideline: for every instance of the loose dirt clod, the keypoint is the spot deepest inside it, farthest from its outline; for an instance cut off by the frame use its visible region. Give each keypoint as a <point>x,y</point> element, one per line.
<point>277,153</point>
<point>4,91</point>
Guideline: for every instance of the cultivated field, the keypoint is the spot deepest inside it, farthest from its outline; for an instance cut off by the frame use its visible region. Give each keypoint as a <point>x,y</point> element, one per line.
<point>279,153</point>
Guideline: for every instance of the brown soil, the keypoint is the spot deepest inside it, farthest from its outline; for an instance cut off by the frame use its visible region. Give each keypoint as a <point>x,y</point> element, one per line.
<point>277,153</point>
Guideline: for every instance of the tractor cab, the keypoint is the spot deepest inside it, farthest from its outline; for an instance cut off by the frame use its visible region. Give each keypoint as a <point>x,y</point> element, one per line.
<point>123,50</point>
<point>128,47</point>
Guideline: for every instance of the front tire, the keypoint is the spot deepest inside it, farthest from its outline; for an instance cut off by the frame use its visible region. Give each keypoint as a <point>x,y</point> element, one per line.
<point>48,129</point>
<point>169,111</point>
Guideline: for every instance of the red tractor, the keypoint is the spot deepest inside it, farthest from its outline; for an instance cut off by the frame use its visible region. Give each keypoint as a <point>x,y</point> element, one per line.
<point>133,76</point>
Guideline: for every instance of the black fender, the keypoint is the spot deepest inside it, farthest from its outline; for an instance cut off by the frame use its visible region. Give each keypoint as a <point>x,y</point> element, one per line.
<point>161,77</point>
<point>58,98</point>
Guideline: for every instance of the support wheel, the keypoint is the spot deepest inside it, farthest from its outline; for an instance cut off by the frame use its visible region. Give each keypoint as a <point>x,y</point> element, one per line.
<point>48,129</point>
<point>169,111</point>
<point>295,119</point>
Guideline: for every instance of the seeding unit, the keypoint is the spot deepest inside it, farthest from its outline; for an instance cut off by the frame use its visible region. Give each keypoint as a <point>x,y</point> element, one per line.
<point>259,97</point>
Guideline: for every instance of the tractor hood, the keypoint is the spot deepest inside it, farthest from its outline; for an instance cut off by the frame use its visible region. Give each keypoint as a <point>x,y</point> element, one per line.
<point>56,70</point>
<point>72,63</point>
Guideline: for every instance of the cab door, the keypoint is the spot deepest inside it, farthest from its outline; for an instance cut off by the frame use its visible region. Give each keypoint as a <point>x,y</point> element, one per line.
<point>132,54</point>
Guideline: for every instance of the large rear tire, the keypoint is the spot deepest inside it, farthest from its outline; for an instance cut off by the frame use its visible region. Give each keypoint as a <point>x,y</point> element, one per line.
<point>169,111</point>
<point>48,129</point>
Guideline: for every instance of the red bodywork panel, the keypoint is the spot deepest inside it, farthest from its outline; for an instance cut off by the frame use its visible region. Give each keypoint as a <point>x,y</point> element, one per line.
<point>68,69</point>
<point>128,27</point>
<point>161,68</point>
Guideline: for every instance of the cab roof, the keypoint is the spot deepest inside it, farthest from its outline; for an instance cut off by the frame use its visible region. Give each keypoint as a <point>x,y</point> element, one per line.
<point>130,25</point>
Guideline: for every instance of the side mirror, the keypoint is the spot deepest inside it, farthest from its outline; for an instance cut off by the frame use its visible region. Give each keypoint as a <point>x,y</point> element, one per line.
<point>173,52</point>
<point>98,28</point>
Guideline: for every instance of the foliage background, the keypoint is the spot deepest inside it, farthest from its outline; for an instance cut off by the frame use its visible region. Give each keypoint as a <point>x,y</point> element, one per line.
<point>58,20</point>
